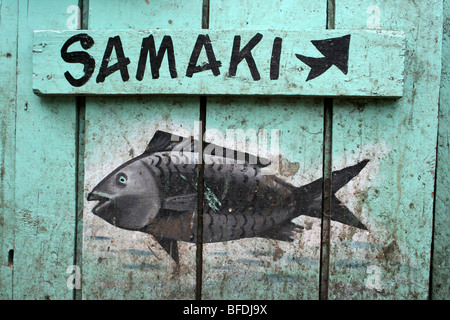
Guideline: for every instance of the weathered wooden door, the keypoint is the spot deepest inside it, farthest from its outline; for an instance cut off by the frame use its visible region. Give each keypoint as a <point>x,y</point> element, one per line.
<point>347,208</point>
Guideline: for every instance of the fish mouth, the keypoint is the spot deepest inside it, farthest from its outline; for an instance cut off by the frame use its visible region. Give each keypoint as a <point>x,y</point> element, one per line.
<point>103,200</point>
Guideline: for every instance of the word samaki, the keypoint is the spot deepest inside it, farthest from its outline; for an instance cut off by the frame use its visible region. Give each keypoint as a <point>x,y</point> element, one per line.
<point>334,51</point>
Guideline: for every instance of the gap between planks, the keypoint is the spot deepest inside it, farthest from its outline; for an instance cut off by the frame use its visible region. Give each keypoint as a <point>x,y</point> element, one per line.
<point>200,181</point>
<point>80,103</point>
<point>324,268</point>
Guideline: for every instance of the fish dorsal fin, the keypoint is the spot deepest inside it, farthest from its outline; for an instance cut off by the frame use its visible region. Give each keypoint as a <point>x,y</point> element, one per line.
<point>165,141</point>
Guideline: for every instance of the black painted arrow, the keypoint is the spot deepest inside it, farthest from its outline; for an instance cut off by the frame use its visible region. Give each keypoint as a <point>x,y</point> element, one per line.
<point>335,51</point>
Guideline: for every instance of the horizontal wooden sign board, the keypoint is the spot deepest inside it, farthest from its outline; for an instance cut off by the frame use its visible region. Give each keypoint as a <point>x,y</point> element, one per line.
<point>329,63</point>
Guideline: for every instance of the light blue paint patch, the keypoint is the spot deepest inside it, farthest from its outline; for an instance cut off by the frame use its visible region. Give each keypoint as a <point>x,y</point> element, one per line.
<point>361,245</point>
<point>99,238</point>
<point>139,252</point>
<point>213,201</point>
<point>142,267</point>
<point>250,261</point>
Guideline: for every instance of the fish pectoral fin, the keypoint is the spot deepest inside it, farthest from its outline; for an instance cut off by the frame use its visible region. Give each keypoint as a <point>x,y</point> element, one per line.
<point>186,202</point>
<point>285,232</point>
<point>171,247</point>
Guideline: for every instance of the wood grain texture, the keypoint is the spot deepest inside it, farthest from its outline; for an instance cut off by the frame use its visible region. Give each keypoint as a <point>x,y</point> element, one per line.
<point>44,170</point>
<point>375,63</point>
<point>394,195</point>
<point>8,60</point>
<point>261,268</point>
<point>120,264</point>
<point>441,252</point>
<point>245,269</point>
<point>396,189</point>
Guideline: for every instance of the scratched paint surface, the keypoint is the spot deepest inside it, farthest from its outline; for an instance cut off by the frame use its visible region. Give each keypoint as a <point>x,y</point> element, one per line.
<point>44,170</point>
<point>441,250</point>
<point>351,57</point>
<point>393,195</point>
<point>247,268</point>
<point>392,260</point>
<point>8,55</point>
<point>121,264</point>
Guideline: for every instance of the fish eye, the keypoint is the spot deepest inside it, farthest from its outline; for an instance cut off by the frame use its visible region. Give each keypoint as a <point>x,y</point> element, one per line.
<point>122,179</point>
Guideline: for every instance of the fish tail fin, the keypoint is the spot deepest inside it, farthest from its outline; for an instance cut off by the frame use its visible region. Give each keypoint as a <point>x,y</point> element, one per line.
<point>309,197</point>
<point>339,212</point>
<point>342,177</point>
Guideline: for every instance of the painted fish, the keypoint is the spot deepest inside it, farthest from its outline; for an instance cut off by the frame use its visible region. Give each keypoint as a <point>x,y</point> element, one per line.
<point>156,193</point>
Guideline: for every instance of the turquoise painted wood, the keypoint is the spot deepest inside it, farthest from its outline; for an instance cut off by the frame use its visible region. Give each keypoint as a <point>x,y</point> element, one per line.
<point>44,170</point>
<point>8,60</point>
<point>55,149</point>
<point>132,265</point>
<point>395,193</point>
<point>373,62</point>
<point>121,264</point>
<point>42,223</point>
<point>441,251</point>
<point>247,268</point>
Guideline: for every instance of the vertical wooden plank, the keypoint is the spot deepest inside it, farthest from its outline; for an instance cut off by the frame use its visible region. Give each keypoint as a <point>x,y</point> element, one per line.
<point>266,15</point>
<point>44,170</point>
<point>245,269</point>
<point>121,264</point>
<point>394,193</point>
<point>441,251</point>
<point>258,268</point>
<point>8,60</point>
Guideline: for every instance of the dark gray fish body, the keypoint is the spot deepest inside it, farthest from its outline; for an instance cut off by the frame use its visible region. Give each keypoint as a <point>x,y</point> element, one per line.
<point>156,193</point>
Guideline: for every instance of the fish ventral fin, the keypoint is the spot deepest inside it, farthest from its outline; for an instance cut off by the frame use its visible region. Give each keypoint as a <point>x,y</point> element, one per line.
<point>285,232</point>
<point>171,247</point>
<point>165,141</point>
